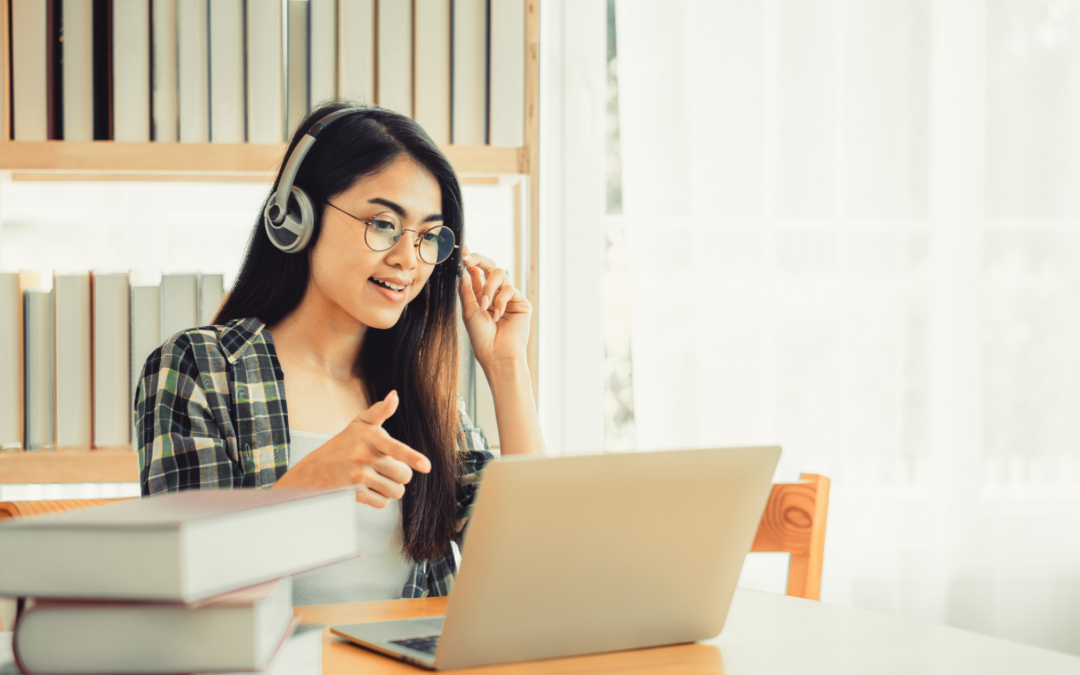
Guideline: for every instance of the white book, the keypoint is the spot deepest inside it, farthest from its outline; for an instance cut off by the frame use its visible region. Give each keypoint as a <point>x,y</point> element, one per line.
<point>297,93</point>
<point>300,654</point>
<point>38,360</point>
<point>211,293</point>
<point>395,56</point>
<point>265,76</point>
<point>356,58</point>
<point>72,388</point>
<point>29,83</point>
<point>227,71</point>
<point>179,304</point>
<point>194,71</point>
<point>78,69</point>
<point>181,546</point>
<point>112,361</point>
<point>166,100</point>
<point>470,73</point>
<point>234,631</point>
<point>507,96</point>
<point>432,103</point>
<point>145,336</point>
<point>12,379</point>
<point>323,34</point>
<point>131,70</point>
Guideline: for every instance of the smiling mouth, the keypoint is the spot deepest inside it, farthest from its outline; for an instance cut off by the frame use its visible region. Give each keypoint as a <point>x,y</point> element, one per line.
<point>386,284</point>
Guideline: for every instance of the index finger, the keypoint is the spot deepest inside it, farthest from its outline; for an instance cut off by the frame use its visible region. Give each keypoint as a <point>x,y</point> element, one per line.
<point>391,447</point>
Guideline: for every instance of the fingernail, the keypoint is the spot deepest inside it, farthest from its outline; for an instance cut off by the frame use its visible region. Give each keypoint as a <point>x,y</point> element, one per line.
<point>425,465</point>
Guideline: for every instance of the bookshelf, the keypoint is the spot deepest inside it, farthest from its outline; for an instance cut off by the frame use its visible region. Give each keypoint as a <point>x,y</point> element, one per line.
<point>68,161</point>
<point>99,466</point>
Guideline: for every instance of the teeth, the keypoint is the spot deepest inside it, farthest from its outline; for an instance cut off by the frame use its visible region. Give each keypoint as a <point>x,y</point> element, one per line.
<point>389,285</point>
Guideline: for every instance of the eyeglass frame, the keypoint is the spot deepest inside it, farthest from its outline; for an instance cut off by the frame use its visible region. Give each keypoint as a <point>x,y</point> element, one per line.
<point>416,242</point>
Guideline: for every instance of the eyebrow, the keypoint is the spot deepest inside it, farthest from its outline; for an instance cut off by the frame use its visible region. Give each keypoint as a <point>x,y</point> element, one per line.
<point>400,210</point>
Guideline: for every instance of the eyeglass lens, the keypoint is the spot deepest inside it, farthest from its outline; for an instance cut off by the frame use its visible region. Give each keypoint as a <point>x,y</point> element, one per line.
<point>384,230</point>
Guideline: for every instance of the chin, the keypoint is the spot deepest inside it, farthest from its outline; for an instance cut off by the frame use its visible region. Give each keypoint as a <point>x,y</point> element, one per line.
<point>382,321</point>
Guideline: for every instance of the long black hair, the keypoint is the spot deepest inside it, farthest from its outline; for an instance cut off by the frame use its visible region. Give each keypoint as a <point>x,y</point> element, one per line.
<point>419,355</point>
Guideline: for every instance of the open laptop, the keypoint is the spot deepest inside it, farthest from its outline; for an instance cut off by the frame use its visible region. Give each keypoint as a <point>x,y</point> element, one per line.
<point>595,553</point>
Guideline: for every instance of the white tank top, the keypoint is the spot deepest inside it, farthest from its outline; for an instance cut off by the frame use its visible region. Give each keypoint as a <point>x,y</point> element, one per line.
<point>381,571</point>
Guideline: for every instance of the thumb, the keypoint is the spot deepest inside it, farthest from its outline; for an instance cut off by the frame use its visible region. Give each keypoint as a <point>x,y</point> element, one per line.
<point>381,411</point>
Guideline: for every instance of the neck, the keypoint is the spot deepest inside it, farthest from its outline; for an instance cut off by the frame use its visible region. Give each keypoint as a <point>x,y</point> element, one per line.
<point>320,335</point>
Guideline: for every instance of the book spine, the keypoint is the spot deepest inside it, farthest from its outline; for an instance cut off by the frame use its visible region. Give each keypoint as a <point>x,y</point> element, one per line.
<point>297,93</point>
<point>145,337</point>
<point>324,50</point>
<point>394,63</point>
<point>131,70</point>
<point>266,116</point>
<point>102,70</point>
<point>227,71</point>
<point>507,64</point>
<point>38,360</point>
<point>211,293</point>
<point>78,70</point>
<point>72,389</point>
<point>432,81</point>
<point>469,84</point>
<point>179,304</point>
<point>194,72</point>
<point>11,376</point>
<point>30,75</point>
<point>356,35</point>
<point>165,69</point>
<point>112,361</point>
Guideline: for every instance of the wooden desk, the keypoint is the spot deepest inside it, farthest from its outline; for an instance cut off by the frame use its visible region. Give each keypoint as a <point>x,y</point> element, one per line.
<point>765,633</point>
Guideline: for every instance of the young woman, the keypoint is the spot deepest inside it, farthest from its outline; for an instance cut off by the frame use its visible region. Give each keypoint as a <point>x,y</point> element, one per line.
<point>336,365</point>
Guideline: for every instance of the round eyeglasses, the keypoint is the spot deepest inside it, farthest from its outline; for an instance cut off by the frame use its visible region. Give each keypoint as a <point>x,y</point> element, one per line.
<point>383,231</point>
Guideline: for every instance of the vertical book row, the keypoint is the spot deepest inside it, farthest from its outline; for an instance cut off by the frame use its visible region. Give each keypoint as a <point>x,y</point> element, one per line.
<point>247,71</point>
<point>71,357</point>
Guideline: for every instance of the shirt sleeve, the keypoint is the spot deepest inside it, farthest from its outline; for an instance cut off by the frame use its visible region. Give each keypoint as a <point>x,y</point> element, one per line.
<point>474,454</point>
<point>180,445</point>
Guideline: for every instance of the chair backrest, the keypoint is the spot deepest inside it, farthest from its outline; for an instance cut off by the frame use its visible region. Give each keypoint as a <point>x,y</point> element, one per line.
<point>41,507</point>
<point>794,522</point>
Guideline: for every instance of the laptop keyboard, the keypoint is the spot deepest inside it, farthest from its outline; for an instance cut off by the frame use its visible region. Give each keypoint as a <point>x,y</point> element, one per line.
<point>425,645</point>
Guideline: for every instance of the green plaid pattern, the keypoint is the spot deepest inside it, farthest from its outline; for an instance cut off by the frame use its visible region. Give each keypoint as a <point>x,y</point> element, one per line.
<point>210,413</point>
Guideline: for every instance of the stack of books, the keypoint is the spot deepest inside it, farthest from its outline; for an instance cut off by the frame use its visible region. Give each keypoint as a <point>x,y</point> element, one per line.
<point>190,582</point>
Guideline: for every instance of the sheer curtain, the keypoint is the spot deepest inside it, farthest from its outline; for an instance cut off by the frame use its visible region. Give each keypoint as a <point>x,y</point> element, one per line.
<point>852,227</point>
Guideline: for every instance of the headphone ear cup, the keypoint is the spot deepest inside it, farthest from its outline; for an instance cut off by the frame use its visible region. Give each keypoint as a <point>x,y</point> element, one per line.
<point>294,232</point>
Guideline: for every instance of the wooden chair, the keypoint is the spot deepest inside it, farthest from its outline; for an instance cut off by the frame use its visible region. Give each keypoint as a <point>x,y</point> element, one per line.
<point>37,508</point>
<point>794,522</point>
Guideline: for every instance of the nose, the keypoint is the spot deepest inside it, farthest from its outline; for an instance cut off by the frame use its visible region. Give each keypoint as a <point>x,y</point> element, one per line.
<point>403,253</point>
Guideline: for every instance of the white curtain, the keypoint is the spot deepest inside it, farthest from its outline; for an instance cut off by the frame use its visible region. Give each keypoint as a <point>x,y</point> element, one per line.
<point>852,227</point>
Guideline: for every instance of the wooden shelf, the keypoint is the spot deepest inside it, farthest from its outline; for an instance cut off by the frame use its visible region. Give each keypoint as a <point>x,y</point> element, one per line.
<point>45,466</point>
<point>107,160</point>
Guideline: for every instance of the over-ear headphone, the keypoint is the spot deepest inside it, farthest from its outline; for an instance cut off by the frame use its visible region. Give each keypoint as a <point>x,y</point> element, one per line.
<point>290,229</point>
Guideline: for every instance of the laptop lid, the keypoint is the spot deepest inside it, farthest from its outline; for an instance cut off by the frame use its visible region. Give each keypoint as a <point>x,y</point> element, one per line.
<point>584,554</point>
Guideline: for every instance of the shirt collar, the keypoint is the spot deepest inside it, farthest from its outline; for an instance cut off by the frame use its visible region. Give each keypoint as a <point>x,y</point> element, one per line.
<point>239,334</point>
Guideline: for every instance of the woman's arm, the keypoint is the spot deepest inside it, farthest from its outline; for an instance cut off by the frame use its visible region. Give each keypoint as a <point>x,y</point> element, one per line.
<point>178,436</point>
<point>498,317</point>
<point>515,408</point>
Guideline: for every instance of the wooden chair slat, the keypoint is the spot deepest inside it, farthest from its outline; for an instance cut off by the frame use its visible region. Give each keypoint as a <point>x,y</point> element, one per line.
<point>794,522</point>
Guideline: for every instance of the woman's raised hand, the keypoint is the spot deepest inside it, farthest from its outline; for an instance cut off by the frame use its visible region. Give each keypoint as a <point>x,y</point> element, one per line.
<point>496,314</point>
<point>365,456</point>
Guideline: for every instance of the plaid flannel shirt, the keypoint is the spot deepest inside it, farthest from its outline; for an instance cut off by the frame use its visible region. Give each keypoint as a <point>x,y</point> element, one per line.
<point>210,413</point>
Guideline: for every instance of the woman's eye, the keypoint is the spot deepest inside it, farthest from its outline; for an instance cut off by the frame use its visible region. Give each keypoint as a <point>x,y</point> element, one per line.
<point>383,225</point>
<point>430,237</point>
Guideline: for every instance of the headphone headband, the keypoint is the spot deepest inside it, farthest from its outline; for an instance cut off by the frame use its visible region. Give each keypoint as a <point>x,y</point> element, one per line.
<point>288,230</point>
